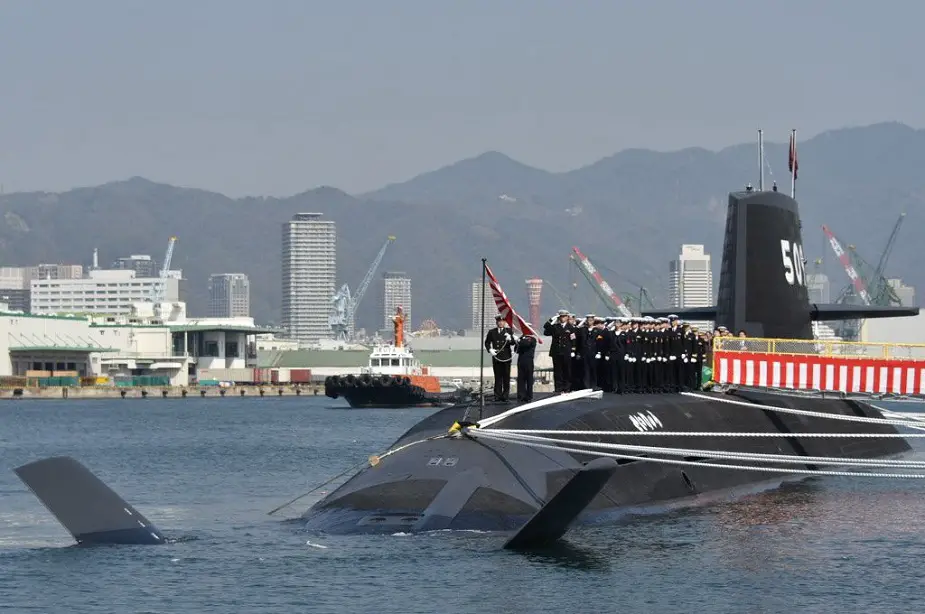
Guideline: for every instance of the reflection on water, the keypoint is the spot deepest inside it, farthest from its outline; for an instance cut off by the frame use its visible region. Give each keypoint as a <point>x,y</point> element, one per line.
<point>206,473</point>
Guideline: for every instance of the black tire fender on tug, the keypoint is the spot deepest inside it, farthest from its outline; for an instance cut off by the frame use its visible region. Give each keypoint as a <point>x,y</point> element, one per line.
<point>364,380</point>
<point>385,380</point>
<point>405,380</point>
<point>351,380</point>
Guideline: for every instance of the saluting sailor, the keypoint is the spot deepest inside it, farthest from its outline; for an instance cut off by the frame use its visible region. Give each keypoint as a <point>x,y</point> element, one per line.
<point>499,343</point>
<point>525,348</point>
<point>560,349</point>
<point>587,352</point>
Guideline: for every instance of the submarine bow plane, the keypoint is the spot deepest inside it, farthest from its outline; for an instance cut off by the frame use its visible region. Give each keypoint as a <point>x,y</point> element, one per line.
<point>584,456</point>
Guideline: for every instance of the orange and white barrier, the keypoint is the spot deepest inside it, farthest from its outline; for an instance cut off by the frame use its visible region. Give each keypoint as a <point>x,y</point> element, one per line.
<point>824,373</point>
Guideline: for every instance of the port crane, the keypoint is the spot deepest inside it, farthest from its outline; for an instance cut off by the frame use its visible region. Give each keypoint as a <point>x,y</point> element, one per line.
<point>867,282</point>
<point>613,302</point>
<point>160,288</point>
<point>867,286</point>
<point>342,321</point>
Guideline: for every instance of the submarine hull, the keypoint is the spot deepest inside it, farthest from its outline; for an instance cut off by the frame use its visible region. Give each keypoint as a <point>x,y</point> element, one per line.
<point>481,484</point>
<point>477,482</point>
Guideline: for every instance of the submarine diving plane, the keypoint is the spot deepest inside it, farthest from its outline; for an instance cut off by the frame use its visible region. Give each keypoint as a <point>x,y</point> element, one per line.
<point>586,457</point>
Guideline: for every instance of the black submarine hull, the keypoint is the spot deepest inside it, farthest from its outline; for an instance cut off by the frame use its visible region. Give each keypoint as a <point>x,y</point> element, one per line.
<point>475,482</point>
<point>491,485</point>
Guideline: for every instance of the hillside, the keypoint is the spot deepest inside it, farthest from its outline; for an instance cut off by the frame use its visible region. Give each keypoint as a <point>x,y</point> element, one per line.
<point>629,212</point>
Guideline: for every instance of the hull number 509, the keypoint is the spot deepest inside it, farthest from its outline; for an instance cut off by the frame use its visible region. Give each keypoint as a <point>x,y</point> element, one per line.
<point>794,265</point>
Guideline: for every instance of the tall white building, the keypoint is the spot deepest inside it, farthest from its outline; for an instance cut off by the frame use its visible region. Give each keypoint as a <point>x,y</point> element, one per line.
<point>690,282</point>
<point>396,292</point>
<point>229,295</point>
<point>309,276</point>
<point>476,303</point>
<point>111,292</point>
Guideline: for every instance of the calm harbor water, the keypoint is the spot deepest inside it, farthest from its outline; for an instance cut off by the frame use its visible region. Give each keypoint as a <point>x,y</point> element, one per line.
<point>207,471</point>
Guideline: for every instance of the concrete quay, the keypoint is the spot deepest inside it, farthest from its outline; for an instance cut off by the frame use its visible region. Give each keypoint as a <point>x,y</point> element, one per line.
<point>168,392</point>
<point>157,392</point>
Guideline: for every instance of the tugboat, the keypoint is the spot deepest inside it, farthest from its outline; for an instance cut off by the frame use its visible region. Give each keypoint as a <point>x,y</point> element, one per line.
<point>393,378</point>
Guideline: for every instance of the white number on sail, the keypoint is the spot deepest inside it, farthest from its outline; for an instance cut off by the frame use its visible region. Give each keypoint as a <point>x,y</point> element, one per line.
<point>794,267</point>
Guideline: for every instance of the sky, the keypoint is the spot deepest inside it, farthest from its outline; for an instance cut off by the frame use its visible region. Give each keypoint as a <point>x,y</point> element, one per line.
<point>280,96</point>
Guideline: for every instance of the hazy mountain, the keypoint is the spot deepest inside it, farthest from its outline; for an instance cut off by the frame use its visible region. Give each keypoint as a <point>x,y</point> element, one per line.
<point>629,212</point>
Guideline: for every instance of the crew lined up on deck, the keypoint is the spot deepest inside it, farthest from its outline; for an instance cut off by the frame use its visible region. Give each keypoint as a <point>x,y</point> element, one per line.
<point>626,355</point>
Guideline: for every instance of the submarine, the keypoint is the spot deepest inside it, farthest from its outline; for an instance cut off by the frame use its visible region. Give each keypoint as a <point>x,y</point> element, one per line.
<point>498,467</point>
<point>467,479</point>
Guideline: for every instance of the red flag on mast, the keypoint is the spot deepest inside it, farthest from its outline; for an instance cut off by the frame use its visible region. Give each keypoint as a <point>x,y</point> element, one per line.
<point>794,165</point>
<point>506,309</point>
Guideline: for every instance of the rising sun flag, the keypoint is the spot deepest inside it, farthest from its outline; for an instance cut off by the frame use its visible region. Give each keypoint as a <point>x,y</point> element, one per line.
<point>505,308</point>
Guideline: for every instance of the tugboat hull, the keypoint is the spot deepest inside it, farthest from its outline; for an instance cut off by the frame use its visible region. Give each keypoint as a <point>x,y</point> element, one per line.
<point>388,391</point>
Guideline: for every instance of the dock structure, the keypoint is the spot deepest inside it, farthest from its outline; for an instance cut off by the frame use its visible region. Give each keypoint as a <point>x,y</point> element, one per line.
<point>824,366</point>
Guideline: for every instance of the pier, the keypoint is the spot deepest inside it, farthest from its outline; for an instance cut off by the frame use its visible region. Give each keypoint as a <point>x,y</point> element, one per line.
<point>159,392</point>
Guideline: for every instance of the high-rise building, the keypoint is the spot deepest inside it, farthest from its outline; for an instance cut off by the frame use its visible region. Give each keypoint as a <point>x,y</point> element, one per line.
<point>691,280</point>
<point>229,295</point>
<point>309,276</point>
<point>476,302</point>
<point>534,292</point>
<point>396,292</point>
<point>906,294</point>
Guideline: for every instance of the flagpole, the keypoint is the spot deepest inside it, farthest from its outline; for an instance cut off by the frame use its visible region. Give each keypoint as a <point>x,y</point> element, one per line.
<point>482,353</point>
<point>793,164</point>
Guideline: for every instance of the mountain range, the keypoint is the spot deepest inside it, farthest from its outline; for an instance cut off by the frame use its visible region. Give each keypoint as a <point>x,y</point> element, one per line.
<point>629,212</point>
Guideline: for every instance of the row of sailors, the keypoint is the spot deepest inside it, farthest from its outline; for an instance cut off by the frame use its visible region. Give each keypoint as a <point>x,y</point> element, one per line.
<point>624,355</point>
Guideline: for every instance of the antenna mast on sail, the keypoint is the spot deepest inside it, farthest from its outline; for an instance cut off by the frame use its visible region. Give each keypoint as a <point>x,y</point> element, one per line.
<point>760,160</point>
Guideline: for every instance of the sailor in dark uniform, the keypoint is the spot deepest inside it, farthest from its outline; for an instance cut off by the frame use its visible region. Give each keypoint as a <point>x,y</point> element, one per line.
<point>601,341</point>
<point>525,348</point>
<point>675,352</point>
<point>634,356</point>
<point>618,362</point>
<point>689,357</point>
<point>661,356</point>
<point>588,351</point>
<point>646,343</point>
<point>499,343</point>
<point>560,349</point>
<point>579,343</point>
